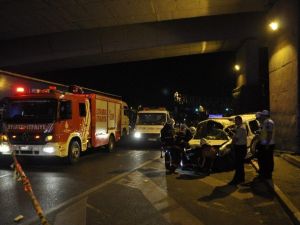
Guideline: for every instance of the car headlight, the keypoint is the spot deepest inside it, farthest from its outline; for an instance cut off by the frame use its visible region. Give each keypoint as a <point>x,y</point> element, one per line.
<point>137,135</point>
<point>4,148</point>
<point>48,149</point>
<point>49,138</point>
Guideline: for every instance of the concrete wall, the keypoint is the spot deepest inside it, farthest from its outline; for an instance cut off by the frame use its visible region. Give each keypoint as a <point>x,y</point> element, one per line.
<point>283,73</point>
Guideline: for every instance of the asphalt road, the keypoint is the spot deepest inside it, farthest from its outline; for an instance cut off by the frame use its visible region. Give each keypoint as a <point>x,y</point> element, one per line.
<point>130,186</point>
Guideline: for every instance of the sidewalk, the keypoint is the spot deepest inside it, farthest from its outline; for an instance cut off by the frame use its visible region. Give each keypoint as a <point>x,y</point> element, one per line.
<point>286,183</point>
<point>291,158</point>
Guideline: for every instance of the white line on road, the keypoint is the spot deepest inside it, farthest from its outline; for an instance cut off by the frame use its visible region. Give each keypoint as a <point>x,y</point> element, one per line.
<point>5,175</point>
<point>171,210</point>
<point>91,190</point>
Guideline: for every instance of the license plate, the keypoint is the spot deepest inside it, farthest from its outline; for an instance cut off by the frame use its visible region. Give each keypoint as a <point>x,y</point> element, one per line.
<point>152,139</point>
<point>24,148</point>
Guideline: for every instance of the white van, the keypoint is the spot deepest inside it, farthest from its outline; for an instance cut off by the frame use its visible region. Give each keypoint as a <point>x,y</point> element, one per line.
<point>149,123</point>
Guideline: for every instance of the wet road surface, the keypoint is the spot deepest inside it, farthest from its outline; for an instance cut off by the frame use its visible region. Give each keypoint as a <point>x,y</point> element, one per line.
<point>130,186</point>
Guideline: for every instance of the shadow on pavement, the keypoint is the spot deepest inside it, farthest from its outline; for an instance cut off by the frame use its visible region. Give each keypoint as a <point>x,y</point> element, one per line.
<point>219,192</point>
<point>151,172</point>
<point>259,188</point>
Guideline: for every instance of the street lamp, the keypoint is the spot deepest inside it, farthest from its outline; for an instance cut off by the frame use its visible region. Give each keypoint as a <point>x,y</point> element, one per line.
<point>237,67</point>
<point>274,25</point>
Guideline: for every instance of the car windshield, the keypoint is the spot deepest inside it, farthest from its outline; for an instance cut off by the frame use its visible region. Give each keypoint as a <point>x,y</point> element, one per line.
<point>31,110</point>
<point>210,130</point>
<point>151,119</point>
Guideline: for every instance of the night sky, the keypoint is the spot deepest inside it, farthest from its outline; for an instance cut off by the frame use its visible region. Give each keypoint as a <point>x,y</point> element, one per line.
<point>153,82</point>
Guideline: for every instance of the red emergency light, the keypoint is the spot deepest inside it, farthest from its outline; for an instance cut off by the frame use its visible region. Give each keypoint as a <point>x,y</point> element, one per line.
<point>20,90</point>
<point>52,88</point>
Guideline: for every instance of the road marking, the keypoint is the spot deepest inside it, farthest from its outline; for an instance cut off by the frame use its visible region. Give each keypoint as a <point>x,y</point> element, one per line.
<point>5,175</point>
<point>90,191</point>
<point>74,214</point>
<point>172,211</point>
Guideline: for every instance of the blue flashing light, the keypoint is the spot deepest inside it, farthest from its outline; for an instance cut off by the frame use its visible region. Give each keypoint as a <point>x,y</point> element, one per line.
<point>212,116</point>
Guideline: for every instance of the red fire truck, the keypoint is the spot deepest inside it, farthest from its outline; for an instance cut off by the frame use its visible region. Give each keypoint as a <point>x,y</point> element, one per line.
<point>53,123</point>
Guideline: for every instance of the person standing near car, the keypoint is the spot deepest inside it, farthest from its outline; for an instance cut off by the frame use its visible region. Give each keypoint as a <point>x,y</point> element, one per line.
<point>167,133</point>
<point>239,141</point>
<point>266,146</point>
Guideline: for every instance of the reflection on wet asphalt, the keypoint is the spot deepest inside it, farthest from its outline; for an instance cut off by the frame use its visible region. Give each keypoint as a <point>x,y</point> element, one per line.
<point>131,186</point>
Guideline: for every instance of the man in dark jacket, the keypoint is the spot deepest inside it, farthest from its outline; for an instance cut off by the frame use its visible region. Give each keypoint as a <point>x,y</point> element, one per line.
<point>167,133</point>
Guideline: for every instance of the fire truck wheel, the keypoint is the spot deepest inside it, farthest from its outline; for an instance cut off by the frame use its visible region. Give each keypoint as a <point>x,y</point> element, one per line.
<point>74,152</point>
<point>111,143</point>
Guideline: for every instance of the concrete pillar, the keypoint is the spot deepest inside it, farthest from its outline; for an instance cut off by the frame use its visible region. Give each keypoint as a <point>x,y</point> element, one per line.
<point>284,73</point>
<point>248,94</point>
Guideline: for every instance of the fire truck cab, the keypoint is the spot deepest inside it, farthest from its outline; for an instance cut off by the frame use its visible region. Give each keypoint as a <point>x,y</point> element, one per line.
<point>54,123</point>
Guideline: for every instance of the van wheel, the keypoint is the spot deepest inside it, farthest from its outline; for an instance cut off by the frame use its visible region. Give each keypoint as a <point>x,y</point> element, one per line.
<point>124,133</point>
<point>74,152</point>
<point>111,143</point>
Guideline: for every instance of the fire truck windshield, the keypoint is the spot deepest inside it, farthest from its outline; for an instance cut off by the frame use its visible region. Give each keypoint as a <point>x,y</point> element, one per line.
<point>31,111</point>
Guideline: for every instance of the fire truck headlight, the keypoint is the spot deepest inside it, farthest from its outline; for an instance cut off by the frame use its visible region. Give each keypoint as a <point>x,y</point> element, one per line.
<point>49,138</point>
<point>4,138</point>
<point>137,135</point>
<point>4,148</point>
<point>49,149</point>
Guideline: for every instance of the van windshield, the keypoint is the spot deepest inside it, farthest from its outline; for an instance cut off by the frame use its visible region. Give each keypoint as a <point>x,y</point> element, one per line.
<point>151,119</point>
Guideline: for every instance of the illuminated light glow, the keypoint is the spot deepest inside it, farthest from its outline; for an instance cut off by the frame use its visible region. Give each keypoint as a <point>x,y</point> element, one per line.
<point>212,116</point>
<point>48,149</point>
<point>4,148</point>
<point>20,90</point>
<point>52,87</point>
<point>5,138</point>
<point>237,67</point>
<point>35,91</point>
<point>203,47</point>
<point>274,25</point>
<point>37,136</point>
<point>137,135</point>
<point>49,138</point>
<point>14,136</point>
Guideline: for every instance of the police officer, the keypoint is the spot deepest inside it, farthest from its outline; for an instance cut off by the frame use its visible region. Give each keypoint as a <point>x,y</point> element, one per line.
<point>167,133</point>
<point>240,150</point>
<point>266,146</point>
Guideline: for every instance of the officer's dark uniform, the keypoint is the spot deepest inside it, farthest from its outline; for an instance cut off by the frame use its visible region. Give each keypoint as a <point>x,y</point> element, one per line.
<point>167,135</point>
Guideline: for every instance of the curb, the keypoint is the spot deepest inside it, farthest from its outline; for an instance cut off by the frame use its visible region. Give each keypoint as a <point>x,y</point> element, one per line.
<point>291,159</point>
<point>287,205</point>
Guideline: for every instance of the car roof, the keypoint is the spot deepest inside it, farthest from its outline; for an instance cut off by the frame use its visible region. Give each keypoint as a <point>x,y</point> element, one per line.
<point>225,121</point>
<point>245,117</point>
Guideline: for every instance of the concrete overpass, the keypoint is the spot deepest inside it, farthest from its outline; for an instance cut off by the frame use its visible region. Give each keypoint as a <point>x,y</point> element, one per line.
<point>59,34</point>
<point>74,33</point>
